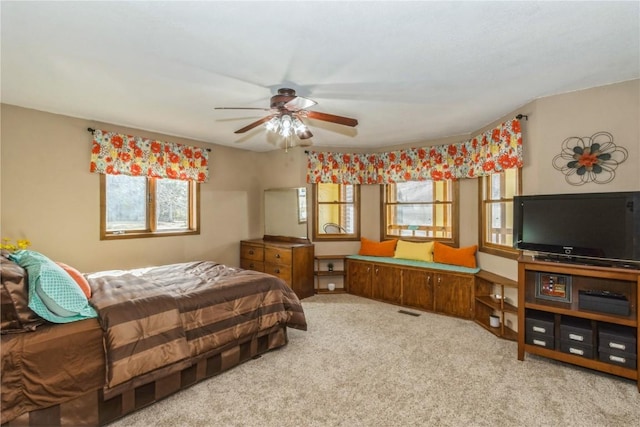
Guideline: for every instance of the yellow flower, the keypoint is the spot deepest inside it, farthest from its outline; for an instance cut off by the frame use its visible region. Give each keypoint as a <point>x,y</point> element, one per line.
<point>8,244</point>
<point>23,243</point>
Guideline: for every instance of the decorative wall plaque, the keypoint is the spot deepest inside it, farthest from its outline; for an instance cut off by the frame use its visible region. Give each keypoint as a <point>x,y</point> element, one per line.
<point>590,159</point>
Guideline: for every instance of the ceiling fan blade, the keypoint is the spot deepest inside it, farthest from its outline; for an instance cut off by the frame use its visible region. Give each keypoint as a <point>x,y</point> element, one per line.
<point>242,108</point>
<point>256,123</point>
<point>299,103</point>
<point>331,118</point>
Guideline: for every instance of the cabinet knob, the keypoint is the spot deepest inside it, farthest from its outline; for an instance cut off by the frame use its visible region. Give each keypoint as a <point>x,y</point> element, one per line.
<point>377,270</point>
<point>277,255</point>
<point>251,252</point>
<point>251,265</point>
<point>277,271</point>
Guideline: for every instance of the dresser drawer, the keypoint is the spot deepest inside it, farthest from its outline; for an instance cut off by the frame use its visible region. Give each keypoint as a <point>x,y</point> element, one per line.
<point>618,338</point>
<point>618,358</point>
<point>577,331</point>
<point>281,271</point>
<point>540,323</point>
<point>277,255</point>
<point>252,252</point>
<point>249,264</point>
<point>542,340</point>
<point>579,349</point>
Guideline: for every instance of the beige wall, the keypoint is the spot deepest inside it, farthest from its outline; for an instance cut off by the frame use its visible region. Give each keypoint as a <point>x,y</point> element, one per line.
<point>55,203</point>
<point>49,196</point>
<point>614,109</point>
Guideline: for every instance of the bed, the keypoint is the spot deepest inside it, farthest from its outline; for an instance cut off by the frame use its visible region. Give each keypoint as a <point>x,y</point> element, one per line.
<point>146,333</point>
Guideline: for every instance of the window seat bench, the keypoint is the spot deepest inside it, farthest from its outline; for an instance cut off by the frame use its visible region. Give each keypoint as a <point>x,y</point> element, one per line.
<point>429,286</point>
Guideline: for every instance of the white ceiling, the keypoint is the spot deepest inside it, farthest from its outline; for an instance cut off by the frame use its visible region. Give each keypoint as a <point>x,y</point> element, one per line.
<point>408,71</point>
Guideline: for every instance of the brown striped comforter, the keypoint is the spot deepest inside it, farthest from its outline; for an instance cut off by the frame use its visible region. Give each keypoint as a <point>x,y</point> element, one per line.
<point>161,317</point>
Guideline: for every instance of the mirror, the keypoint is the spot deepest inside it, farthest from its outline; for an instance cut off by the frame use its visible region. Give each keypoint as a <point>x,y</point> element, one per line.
<point>285,212</point>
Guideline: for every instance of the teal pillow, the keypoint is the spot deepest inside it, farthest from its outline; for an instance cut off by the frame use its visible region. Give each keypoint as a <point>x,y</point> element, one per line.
<point>53,294</point>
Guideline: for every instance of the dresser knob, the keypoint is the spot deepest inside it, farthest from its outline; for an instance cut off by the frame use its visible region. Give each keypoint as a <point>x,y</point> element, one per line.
<point>277,271</point>
<point>251,252</point>
<point>251,265</point>
<point>277,255</point>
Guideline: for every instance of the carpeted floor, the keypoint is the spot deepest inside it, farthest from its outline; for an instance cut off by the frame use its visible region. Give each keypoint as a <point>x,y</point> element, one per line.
<point>361,363</point>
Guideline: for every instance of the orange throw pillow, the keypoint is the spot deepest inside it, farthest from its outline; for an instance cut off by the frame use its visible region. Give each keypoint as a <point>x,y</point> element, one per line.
<point>82,282</point>
<point>465,257</point>
<point>371,248</point>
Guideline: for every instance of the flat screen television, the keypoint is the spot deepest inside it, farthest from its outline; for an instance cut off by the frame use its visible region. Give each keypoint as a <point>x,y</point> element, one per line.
<point>590,228</point>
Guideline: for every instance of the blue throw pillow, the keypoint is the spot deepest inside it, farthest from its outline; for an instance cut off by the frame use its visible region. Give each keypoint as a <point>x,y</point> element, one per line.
<point>53,294</point>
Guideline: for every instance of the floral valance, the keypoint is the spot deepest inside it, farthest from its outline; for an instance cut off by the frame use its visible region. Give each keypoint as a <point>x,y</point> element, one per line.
<point>115,154</point>
<point>493,151</point>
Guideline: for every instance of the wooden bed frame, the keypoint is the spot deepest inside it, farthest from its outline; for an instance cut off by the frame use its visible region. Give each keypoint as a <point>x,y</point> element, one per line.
<point>92,409</point>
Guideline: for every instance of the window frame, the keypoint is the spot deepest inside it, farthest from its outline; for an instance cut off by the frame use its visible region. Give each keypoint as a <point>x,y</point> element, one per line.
<point>324,237</point>
<point>150,228</point>
<point>455,217</point>
<point>484,189</point>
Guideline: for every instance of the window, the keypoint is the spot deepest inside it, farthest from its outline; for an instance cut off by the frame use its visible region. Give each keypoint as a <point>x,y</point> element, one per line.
<point>420,210</point>
<point>496,211</point>
<point>136,206</point>
<point>336,212</point>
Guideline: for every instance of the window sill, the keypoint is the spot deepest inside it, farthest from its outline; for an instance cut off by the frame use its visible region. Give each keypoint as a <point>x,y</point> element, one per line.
<point>145,234</point>
<point>504,253</point>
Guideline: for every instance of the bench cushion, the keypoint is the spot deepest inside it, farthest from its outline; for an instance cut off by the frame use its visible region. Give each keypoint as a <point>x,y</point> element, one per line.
<point>465,257</point>
<point>419,251</point>
<point>413,263</point>
<point>371,248</point>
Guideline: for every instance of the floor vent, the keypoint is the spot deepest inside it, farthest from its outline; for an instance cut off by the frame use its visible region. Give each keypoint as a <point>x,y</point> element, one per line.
<point>410,313</point>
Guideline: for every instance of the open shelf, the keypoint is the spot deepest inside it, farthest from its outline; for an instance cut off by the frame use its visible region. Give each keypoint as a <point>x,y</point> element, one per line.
<point>487,304</point>
<point>593,315</point>
<point>321,269</point>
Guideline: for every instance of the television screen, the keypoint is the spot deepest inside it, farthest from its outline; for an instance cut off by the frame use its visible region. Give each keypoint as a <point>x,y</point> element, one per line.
<point>591,225</point>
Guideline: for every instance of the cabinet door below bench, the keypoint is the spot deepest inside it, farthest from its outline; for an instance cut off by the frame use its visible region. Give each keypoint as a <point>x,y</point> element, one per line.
<point>386,284</point>
<point>359,278</point>
<point>454,295</point>
<point>417,289</point>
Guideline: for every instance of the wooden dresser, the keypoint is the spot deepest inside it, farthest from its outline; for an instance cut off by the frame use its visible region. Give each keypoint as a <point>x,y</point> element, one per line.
<point>290,259</point>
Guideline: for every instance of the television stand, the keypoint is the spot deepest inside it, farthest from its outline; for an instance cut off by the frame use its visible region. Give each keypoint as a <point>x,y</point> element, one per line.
<point>569,259</point>
<point>548,318</point>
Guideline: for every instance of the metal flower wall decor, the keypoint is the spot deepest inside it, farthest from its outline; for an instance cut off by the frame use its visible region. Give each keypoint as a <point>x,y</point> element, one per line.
<point>589,159</point>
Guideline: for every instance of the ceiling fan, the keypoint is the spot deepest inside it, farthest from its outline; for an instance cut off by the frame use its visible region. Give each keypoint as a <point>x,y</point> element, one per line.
<point>287,111</point>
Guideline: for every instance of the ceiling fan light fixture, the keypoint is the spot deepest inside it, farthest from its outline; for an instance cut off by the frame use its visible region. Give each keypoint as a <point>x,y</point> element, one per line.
<point>301,130</point>
<point>304,134</point>
<point>286,122</point>
<point>273,124</point>
<point>298,125</point>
